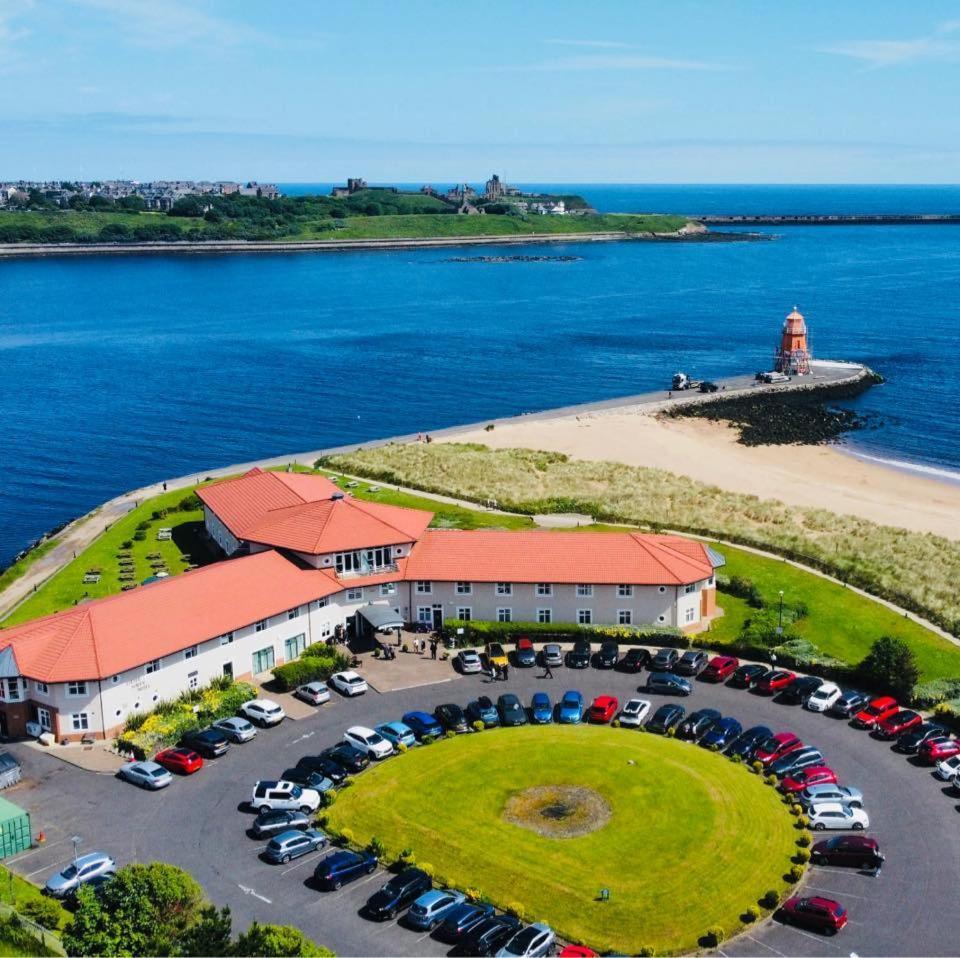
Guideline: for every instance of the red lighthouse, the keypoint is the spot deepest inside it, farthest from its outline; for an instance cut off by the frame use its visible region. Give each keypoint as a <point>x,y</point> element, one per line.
<point>793,356</point>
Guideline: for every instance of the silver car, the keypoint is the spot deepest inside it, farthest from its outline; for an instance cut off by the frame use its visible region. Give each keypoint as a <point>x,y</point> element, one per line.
<point>236,729</point>
<point>552,655</point>
<point>844,794</point>
<point>79,872</point>
<point>293,844</point>
<point>529,942</point>
<point>148,775</point>
<point>314,693</point>
<point>468,662</point>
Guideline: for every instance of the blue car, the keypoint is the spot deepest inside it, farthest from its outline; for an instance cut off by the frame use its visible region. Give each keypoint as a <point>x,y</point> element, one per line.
<point>541,709</point>
<point>721,733</point>
<point>483,710</point>
<point>422,724</point>
<point>432,907</point>
<point>396,733</point>
<point>571,707</point>
<point>341,867</point>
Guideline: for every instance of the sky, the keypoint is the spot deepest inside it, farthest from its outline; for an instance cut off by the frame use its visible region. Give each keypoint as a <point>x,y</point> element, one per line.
<point>617,91</point>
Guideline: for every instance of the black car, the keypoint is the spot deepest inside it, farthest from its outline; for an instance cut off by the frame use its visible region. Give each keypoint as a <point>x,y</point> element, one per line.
<point>525,655</point>
<point>272,821</point>
<point>909,743</point>
<point>849,704</point>
<point>745,676</point>
<point>511,711</point>
<point>857,851</point>
<point>609,654</point>
<point>634,660</point>
<point>343,866</point>
<point>482,709</point>
<point>664,660</point>
<point>401,891</point>
<point>452,717</point>
<point>488,936</point>
<point>746,744</point>
<point>692,662</point>
<point>799,690</point>
<point>461,921</point>
<point>667,683</point>
<point>666,717</point>
<point>209,742</point>
<point>579,656</point>
<point>304,777</point>
<point>325,766</point>
<point>796,760</point>
<point>351,759</point>
<point>697,723</point>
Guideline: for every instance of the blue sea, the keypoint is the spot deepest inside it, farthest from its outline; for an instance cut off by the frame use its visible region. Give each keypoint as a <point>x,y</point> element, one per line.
<point>121,371</point>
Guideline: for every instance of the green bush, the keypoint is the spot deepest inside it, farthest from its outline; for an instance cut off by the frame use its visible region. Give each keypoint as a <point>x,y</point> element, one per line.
<point>126,544</point>
<point>44,911</point>
<point>752,914</point>
<point>770,899</point>
<point>804,841</point>
<point>802,821</point>
<point>139,536</point>
<point>802,856</point>
<point>478,726</point>
<point>428,739</point>
<point>757,767</point>
<point>770,780</point>
<point>645,951</point>
<point>516,909</point>
<point>309,669</point>
<point>796,810</point>
<point>347,836</point>
<point>377,848</point>
<point>795,874</point>
<point>143,526</point>
<point>449,733</point>
<point>714,936</point>
<point>327,798</point>
<point>428,869</point>
<point>742,588</point>
<point>477,632</point>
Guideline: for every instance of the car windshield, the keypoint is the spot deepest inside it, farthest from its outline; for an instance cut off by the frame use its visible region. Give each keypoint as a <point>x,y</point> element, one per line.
<point>821,693</point>
<point>69,872</point>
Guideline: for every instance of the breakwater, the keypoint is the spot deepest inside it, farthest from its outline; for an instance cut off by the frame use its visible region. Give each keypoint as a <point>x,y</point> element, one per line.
<point>827,219</point>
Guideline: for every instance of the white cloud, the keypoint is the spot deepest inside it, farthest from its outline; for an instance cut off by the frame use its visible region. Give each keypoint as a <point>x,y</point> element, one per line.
<point>595,44</point>
<point>610,61</point>
<point>11,33</point>
<point>885,53</point>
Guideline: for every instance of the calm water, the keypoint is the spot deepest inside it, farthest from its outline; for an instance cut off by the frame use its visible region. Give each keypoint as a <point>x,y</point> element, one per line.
<point>117,372</point>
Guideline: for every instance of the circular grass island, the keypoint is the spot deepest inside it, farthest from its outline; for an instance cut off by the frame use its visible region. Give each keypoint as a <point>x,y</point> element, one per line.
<point>544,817</point>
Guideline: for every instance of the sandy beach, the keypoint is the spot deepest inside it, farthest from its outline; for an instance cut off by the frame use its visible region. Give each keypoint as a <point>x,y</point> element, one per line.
<point>811,476</point>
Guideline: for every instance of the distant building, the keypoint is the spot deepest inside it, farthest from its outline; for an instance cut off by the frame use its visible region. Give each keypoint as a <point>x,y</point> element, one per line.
<point>354,185</point>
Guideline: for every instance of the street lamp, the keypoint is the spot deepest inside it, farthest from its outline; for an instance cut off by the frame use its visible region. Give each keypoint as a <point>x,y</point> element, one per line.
<point>780,619</point>
<point>76,839</point>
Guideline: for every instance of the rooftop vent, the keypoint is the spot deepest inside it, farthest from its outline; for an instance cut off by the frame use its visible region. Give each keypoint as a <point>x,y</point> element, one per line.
<point>337,495</point>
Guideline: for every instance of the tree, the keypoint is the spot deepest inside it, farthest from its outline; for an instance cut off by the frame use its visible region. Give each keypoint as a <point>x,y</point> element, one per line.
<point>209,935</point>
<point>285,941</point>
<point>891,665</point>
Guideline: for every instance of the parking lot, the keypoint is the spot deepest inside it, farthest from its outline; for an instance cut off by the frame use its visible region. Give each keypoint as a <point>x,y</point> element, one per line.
<point>199,823</point>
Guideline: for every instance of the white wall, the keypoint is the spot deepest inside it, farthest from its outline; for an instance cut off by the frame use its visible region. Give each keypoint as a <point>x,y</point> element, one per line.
<point>219,532</point>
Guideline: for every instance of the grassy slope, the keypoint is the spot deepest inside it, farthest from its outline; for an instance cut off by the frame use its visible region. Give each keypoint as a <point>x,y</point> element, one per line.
<point>15,891</point>
<point>693,841</point>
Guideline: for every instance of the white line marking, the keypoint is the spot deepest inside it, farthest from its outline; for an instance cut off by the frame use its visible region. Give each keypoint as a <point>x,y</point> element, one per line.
<point>845,894</point>
<point>822,940</point>
<point>33,851</point>
<point>250,891</point>
<point>303,861</point>
<point>763,944</point>
<point>47,867</point>
<point>305,735</point>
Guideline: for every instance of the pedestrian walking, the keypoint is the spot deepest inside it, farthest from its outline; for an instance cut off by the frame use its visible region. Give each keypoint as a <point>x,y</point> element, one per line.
<point>547,671</point>
<point>164,487</point>
<point>506,673</point>
<point>433,649</point>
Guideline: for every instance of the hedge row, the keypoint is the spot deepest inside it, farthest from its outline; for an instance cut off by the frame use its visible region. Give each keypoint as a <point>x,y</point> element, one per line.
<point>310,667</point>
<point>478,633</point>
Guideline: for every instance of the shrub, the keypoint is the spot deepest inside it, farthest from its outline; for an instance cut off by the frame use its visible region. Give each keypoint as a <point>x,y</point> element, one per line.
<point>377,848</point>
<point>757,767</point>
<point>742,588</point>
<point>804,840</point>
<point>347,837</point>
<point>143,526</point>
<point>671,732</point>
<point>449,733</point>
<point>795,874</point>
<point>44,911</point>
<point>126,544</point>
<point>428,869</point>
<point>615,723</point>
<point>796,810</point>
<point>771,898</point>
<point>736,759</point>
<point>428,739</point>
<point>473,894</point>
<point>478,632</point>
<point>189,503</point>
<point>478,726</point>
<point>770,780</point>
<point>802,856</point>
<point>802,821</point>
<point>309,668</point>
<point>752,914</point>
<point>327,798</point>
<point>139,536</point>
<point>714,936</point>
<point>516,909</point>
<point>645,951</point>
<point>890,665</point>
<point>401,747</point>
<point>158,514</point>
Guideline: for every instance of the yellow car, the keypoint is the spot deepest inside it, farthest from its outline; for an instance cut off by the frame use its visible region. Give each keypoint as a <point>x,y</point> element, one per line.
<point>496,655</point>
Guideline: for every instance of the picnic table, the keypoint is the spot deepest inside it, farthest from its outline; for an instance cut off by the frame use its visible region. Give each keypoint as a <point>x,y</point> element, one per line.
<point>91,578</point>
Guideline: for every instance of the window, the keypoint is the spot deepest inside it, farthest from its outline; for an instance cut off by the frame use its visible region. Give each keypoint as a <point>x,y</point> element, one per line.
<point>80,721</point>
<point>190,653</point>
<point>293,613</point>
<point>424,588</point>
<point>425,614</point>
<point>76,688</point>
<point>584,616</point>
<point>260,626</point>
<point>41,687</point>
<point>388,588</point>
<point>544,588</point>
<point>504,588</point>
<point>293,647</point>
<point>193,680</point>
<point>687,589</point>
<point>584,591</point>
<point>624,617</point>
<point>114,679</point>
<point>13,690</point>
<point>504,615</point>
<point>544,615</point>
<point>710,581</point>
<point>150,667</point>
<point>354,595</point>
<point>464,612</point>
<point>464,588</point>
<point>263,660</point>
<point>44,720</point>
<point>363,561</point>
<point>690,615</point>
<point>323,603</point>
<point>624,591</point>
<point>226,638</point>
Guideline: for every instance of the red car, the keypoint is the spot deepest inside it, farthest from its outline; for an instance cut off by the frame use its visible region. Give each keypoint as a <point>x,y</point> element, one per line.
<point>777,746</point>
<point>817,914</point>
<point>776,680</point>
<point>182,760</point>
<point>604,708</point>
<point>720,668</point>
<point>939,748</point>
<point>805,777</point>
<point>878,710</point>
<point>578,951</point>
<point>901,721</point>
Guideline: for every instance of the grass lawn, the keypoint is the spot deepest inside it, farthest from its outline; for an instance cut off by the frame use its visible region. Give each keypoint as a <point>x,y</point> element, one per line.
<point>16,891</point>
<point>693,839</point>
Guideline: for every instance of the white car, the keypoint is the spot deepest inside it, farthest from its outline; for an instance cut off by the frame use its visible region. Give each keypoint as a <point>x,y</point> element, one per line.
<point>824,698</point>
<point>263,712</point>
<point>284,796</point>
<point>147,775</point>
<point>836,815</point>
<point>315,693</point>
<point>949,768</point>
<point>236,729</point>
<point>634,712</point>
<point>371,743</point>
<point>468,661</point>
<point>349,683</point>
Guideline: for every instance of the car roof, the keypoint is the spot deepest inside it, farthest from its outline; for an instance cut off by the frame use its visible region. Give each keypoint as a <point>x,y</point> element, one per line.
<point>466,652</point>
<point>572,693</point>
<point>540,697</point>
<point>419,716</point>
<point>349,675</point>
<point>91,857</point>
<point>604,700</point>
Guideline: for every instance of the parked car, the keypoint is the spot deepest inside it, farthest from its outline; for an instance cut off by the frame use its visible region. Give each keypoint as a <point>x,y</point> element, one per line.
<point>236,729</point>
<point>348,756</point>
<point>263,712</point>
<point>602,709</point>
<point>579,656</point>
<point>816,914</point>
<point>307,778</point>
<point>483,710</point>
<point>274,821</point>
<point>609,654</point>
<point>571,707</point>
<point>148,775</point>
<point>529,942</point>
<point>836,815</point>
<point>313,693</point>
<point>664,660</point>
<point>432,907</point>
<point>845,794</point>
<point>800,690</point>
<point>511,711</point>
<point>468,662</point>
<point>691,663</point>
<point>292,844</point>
<point>773,681</point>
<point>634,660</point>
<point>855,851</point>
<point>552,655</point>
<point>746,676</point>
<point>182,760</point>
<point>97,885</point>
<point>79,872</point>
<point>667,683</point>
<point>541,708</point>
<point>879,708</point>
<point>665,718</point>
<point>396,733</point>
<point>326,766</point>
<point>525,655</point>
<point>366,740</point>
<point>909,743</point>
<point>777,746</point>
<point>634,712</point>
<point>398,893</point>
<point>936,750</point>
<point>795,761</point>
<point>348,683</point>
<point>495,654</point>
<point>806,777</point>
<point>824,698</point>
<point>209,742</point>
<point>895,725</point>
<point>747,743</point>
<point>720,668</point>
<point>486,937</point>
<point>948,769</point>
<point>342,867</point>
<point>460,921</point>
<point>284,795</point>
<point>697,723</point>
<point>722,733</point>
<point>423,724</point>
<point>849,703</point>
<point>452,717</point>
